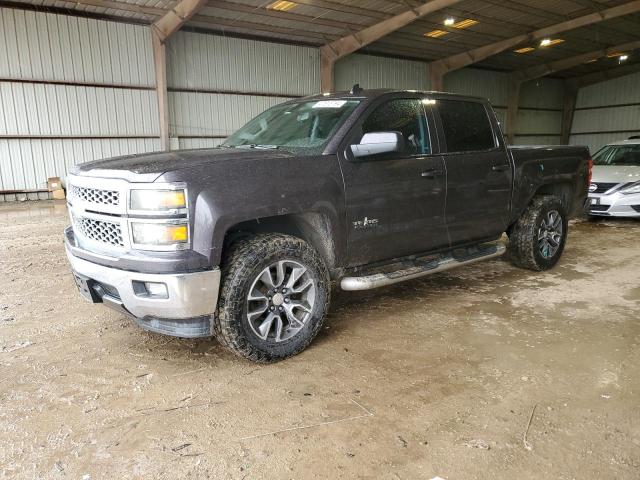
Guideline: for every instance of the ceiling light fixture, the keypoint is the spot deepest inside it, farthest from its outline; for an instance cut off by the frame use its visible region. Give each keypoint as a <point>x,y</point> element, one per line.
<point>465,23</point>
<point>622,58</point>
<point>548,42</point>
<point>524,50</point>
<point>449,21</point>
<point>435,33</point>
<point>281,6</point>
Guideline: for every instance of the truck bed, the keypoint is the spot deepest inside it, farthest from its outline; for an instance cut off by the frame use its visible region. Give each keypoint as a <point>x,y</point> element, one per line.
<point>564,165</point>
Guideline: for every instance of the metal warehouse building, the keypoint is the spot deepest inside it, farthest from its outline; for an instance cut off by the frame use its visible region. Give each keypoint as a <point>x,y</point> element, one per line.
<point>78,80</point>
<point>320,239</point>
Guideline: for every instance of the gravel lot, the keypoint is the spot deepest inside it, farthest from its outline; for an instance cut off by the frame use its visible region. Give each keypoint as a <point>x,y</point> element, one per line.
<point>436,377</point>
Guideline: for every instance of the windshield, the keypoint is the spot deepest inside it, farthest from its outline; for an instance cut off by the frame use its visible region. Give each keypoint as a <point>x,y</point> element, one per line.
<point>618,155</point>
<point>305,126</point>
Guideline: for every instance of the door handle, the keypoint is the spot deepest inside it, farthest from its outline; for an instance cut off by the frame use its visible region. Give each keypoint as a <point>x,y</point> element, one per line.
<point>500,168</point>
<point>432,173</point>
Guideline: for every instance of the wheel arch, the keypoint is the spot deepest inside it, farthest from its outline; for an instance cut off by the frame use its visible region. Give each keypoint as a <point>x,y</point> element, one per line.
<point>564,190</point>
<point>313,227</point>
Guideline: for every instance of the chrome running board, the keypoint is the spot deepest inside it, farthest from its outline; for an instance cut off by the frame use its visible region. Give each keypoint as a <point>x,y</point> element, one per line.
<point>420,268</point>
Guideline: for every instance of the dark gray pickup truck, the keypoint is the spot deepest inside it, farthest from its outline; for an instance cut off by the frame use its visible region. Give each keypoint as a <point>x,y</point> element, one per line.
<point>366,188</point>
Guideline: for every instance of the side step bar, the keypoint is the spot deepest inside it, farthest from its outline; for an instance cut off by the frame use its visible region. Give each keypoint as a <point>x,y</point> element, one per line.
<point>420,269</point>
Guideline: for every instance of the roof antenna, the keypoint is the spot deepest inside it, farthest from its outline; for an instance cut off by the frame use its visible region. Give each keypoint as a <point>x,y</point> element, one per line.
<point>356,90</point>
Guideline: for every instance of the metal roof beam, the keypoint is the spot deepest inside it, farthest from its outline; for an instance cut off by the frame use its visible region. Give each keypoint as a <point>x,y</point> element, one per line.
<point>294,17</point>
<point>603,75</point>
<point>124,7</point>
<point>538,71</point>
<point>517,78</point>
<point>440,67</point>
<point>171,21</point>
<point>331,52</point>
<point>351,43</point>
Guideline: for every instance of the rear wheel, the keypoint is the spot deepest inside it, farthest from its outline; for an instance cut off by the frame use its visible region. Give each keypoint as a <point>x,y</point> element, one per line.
<point>537,239</point>
<point>273,299</point>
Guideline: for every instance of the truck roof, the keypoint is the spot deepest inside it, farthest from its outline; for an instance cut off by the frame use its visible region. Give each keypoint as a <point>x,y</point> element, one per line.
<point>372,93</point>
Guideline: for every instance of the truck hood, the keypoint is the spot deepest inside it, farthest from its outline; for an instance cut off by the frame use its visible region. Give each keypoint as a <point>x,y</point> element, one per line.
<point>150,166</point>
<point>615,173</point>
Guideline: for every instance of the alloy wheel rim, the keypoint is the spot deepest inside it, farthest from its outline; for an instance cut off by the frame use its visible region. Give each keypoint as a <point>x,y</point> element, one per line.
<point>550,234</point>
<point>280,301</point>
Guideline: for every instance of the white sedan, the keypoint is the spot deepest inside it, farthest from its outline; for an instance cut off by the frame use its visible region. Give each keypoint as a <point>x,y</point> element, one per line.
<point>615,187</point>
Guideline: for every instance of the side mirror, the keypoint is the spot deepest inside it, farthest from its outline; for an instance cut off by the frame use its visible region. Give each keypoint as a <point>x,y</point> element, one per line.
<point>375,143</point>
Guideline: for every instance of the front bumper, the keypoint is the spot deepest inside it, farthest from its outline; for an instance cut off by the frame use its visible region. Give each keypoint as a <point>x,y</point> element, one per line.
<point>614,205</point>
<point>187,312</point>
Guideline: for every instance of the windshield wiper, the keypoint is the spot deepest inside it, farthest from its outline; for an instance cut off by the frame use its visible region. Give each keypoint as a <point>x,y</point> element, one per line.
<point>258,146</point>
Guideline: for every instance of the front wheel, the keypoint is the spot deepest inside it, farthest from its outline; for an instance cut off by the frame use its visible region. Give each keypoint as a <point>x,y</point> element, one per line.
<point>537,239</point>
<point>273,299</point>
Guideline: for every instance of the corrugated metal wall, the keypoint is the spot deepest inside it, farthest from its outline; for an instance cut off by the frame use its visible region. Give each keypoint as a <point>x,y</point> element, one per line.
<point>218,83</point>
<point>607,112</point>
<point>74,89</point>
<point>483,83</point>
<point>540,112</point>
<point>540,109</point>
<point>380,72</point>
<point>71,89</point>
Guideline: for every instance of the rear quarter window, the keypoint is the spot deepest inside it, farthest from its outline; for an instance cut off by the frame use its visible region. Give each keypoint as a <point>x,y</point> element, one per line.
<point>466,126</point>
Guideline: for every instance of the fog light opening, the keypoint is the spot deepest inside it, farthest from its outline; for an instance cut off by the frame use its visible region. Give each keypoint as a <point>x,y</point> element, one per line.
<point>151,290</point>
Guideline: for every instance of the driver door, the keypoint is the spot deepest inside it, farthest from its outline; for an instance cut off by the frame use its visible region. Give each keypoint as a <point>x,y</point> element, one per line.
<point>395,202</point>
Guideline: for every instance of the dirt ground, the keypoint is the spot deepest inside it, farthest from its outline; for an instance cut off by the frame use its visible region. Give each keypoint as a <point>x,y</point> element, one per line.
<point>435,377</point>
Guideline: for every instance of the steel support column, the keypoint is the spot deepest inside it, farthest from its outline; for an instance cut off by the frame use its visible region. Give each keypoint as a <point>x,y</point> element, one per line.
<point>568,108</point>
<point>513,101</point>
<point>161,31</point>
<point>160,64</point>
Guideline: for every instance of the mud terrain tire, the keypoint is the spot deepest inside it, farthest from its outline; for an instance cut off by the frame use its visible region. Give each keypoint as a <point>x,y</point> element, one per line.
<point>242,270</point>
<point>527,237</point>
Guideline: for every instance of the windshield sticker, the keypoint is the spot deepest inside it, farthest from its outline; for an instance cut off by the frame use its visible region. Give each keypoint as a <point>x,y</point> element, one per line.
<point>329,104</point>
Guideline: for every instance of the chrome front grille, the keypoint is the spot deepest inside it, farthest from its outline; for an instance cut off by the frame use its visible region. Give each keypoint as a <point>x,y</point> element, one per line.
<point>100,231</point>
<point>96,196</point>
<point>101,217</point>
<point>601,187</point>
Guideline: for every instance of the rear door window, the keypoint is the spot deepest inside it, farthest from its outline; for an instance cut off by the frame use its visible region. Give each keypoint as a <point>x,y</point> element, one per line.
<point>466,126</point>
<point>404,115</point>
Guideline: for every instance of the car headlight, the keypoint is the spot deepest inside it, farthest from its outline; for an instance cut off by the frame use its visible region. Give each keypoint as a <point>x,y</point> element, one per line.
<point>633,188</point>
<point>160,236</point>
<point>157,200</point>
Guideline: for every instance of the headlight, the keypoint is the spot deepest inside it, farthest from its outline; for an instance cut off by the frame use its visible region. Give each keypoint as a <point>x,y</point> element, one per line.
<point>160,236</point>
<point>157,200</point>
<point>633,188</point>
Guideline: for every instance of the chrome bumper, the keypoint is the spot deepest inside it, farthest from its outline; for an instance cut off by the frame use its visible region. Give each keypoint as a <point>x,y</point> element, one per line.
<point>192,297</point>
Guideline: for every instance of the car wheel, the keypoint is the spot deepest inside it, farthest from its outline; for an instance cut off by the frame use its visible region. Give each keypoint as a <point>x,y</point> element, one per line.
<point>537,239</point>
<point>273,298</point>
